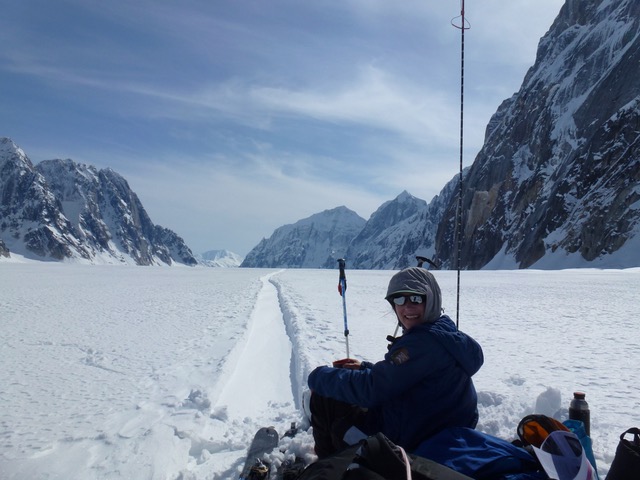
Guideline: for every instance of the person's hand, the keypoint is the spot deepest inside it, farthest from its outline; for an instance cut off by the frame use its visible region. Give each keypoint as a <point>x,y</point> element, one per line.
<point>350,363</point>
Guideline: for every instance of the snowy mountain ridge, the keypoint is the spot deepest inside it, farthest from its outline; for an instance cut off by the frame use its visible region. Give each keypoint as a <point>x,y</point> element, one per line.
<point>61,210</point>
<point>313,242</point>
<point>219,259</point>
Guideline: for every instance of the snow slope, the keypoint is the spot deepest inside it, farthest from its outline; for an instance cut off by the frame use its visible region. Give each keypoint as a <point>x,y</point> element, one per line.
<point>158,373</point>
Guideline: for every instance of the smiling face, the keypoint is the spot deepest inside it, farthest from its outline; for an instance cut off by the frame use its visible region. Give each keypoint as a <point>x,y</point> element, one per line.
<point>409,313</point>
<point>416,281</point>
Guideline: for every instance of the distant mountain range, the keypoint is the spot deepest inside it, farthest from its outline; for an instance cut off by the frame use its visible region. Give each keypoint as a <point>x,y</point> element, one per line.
<point>555,185</point>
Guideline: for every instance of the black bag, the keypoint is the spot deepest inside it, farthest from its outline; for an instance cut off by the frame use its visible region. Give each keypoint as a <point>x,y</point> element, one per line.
<point>377,458</point>
<point>626,463</point>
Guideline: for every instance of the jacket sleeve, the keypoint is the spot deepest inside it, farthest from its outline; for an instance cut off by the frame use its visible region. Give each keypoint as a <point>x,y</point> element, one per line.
<point>407,364</point>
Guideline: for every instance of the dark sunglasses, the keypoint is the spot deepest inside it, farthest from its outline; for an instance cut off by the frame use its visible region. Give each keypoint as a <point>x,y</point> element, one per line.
<point>401,300</point>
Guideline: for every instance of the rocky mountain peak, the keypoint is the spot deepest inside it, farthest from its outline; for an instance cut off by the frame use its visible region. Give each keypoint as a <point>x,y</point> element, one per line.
<point>63,210</point>
<point>313,242</point>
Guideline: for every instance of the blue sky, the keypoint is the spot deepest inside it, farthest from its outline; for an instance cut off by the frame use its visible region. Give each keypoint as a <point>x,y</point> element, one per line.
<point>230,118</point>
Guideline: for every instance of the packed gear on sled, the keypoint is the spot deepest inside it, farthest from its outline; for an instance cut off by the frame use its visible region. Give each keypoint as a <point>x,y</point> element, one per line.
<point>535,428</point>
<point>480,455</point>
<point>377,458</point>
<point>562,457</point>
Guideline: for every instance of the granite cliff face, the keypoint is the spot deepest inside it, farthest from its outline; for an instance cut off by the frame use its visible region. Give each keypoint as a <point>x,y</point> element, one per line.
<point>558,178</point>
<point>59,210</point>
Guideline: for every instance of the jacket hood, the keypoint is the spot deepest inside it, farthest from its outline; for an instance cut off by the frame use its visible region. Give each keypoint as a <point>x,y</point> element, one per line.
<point>467,352</point>
<point>419,281</point>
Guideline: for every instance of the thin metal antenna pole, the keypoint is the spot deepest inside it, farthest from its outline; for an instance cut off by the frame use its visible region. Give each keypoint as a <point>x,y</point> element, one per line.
<point>458,229</point>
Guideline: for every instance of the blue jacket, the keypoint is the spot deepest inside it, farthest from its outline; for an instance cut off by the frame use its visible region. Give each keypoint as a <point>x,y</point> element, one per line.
<point>422,386</point>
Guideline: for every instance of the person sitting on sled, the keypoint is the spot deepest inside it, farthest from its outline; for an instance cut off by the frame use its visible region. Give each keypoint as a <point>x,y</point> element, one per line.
<point>422,386</point>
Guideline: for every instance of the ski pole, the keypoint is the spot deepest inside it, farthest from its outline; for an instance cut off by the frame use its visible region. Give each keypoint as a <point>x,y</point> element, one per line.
<point>342,289</point>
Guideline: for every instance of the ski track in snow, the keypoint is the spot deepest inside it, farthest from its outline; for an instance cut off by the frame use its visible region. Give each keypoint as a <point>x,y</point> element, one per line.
<point>250,386</point>
<point>187,396</point>
<point>254,389</point>
<point>255,386</point>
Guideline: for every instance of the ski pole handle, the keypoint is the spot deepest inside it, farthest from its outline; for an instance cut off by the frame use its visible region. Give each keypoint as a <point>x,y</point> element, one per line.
<point>342,280</point>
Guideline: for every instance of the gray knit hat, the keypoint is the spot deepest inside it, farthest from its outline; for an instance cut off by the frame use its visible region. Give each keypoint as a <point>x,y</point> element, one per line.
<point>418,281</point>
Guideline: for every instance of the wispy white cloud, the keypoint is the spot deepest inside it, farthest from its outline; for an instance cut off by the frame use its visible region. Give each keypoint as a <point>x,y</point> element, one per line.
<point>374,99</point>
